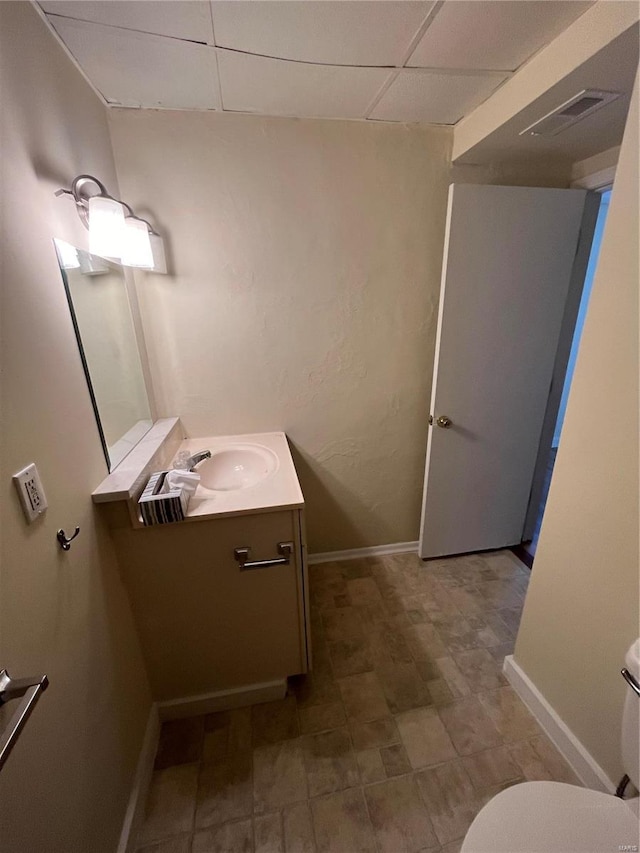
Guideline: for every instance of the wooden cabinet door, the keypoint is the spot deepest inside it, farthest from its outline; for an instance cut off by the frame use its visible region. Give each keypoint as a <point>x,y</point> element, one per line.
<point>204,624</point>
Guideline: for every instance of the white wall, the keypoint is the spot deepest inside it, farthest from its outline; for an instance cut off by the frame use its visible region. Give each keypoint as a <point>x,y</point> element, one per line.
<point>306,258</point>
<point>65,786</point>
<point>581,612</point>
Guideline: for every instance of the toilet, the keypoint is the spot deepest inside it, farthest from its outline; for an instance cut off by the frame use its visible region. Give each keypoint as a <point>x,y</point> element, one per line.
<point>553,817</point>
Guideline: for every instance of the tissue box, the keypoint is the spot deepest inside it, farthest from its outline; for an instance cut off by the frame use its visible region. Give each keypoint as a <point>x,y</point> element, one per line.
<point>162,507</point>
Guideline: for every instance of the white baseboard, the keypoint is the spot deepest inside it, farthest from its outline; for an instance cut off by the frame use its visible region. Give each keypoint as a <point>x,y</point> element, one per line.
<point>222,700</point>
<point>358,553</point>
<point>141,783</point>
<point>573,751</point>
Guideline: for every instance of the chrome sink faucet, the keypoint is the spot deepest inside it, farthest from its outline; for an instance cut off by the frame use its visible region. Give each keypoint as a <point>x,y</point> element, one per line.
<point>200,456</point>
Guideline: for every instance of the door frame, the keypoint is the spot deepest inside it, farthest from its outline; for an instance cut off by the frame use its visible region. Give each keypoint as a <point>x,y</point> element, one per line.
<point>567,330</point>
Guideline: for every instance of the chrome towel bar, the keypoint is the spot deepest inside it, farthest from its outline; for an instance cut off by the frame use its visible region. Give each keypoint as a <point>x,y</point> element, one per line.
<point>241,555</point>
<point>29,690</point>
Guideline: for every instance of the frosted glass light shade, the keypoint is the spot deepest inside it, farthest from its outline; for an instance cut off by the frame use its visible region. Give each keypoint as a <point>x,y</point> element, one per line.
<point>136,246</point>
<point>157,249</point>
<point>106,227</point>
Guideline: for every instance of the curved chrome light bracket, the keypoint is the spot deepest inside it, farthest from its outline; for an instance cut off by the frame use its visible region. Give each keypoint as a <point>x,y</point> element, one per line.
<point>81,192</point>
<point>86,187</point>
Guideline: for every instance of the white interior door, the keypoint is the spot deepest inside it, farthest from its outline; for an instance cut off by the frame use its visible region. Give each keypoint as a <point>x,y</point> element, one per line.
<point>508,263</point>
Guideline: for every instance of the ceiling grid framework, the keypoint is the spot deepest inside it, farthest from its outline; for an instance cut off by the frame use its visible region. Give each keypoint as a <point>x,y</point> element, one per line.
<point>398,61</point>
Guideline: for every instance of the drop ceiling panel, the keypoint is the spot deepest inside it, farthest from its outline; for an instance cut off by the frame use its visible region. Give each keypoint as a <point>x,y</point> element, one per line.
<point>417,95</point>
<point>276,87</point>
<point>139,70</point>
<point>189,19</point>
<point>341,33</point>
<point>492,34</point>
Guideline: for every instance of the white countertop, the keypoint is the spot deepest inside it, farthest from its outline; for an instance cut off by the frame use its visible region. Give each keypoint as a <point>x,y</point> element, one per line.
<point>279,490</point>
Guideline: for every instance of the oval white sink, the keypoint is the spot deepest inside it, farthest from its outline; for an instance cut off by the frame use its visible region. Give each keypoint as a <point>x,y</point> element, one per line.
<point>237,467</point>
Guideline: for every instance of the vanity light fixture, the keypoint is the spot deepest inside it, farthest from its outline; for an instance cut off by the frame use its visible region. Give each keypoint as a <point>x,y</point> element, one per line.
<point>115,232</point>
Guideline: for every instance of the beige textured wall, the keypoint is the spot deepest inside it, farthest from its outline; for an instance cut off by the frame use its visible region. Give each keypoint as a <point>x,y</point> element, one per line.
<point>306,258</point>
<point>581,612</point>
<point>66,785</point>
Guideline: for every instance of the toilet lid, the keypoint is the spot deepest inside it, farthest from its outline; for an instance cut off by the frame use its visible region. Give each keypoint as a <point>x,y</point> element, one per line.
<point>552,817</point>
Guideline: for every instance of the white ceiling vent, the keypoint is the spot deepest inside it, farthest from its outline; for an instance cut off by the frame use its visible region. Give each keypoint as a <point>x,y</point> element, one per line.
<point>575,109</point>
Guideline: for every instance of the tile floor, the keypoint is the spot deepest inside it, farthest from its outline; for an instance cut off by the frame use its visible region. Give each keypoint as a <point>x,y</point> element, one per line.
<point>405,728</point>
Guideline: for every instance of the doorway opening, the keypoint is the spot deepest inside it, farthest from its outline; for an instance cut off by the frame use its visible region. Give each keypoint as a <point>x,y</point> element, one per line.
<point>527,550</point>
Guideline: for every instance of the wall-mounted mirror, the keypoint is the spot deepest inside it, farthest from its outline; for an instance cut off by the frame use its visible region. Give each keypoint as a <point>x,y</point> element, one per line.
<point>101,312</point>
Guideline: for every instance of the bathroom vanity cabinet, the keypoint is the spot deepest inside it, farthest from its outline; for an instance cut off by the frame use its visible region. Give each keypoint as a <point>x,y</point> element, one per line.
<point>205,623</point>
<point>212,626</point>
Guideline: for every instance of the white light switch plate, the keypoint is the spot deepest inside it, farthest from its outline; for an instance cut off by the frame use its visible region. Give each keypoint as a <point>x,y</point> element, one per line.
<point>32,496</point>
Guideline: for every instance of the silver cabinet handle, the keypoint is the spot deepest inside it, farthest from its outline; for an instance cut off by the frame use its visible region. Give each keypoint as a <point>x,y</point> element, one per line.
<point>242,556</point>
<point>30,690</point>
<point>631,681</point>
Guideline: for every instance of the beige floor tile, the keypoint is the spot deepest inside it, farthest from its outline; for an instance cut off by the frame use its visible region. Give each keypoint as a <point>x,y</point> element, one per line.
<point>363,591</point>
<point>500,593</point>
<point>370,766</point>
<point>452,847</point>
<point>352,569</point>
<point>278,775</point>
<point>215,746</point>
<point>363,697</point>
<point>171,803</point>
<point>315,689</point>
<point>424,737</point>
<point>225,791</point>
<point>181,844</point>
<point>320,718</point>
<point>511,617</point>
<point>509,714</point>
<point>330,762</point>
<point>499,653</point>
<point>469,600</point>
<point>428,669</point>
<point>399,817</point>
<point>382,732</point>
<point>424,642</point>
<point>341,823</point>
<point>450,799</point>
<point>324,571</point>
<point>469,726</point>
<point>480,669</point>
<point>403,687</point>
<point>239,730</point>
<point>229,838</point>
<point>342,623</point>
<point>539,761</point>
<point>491,767</point>
<point>180,742</point>
<point>440,692</point>
<point>395,760</point>
<point>323,591</point>
<point>274,721</point>
<point>499,628</point>
<point>298,829</point>
<point>458,635</point>
<point>372,617</point>
<point>268,834</point>
<point>350,656</point>
<point>457,683</point>
<point>389,646</point>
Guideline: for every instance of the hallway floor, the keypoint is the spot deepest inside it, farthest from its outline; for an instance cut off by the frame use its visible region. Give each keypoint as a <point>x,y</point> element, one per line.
<point>403,731</point>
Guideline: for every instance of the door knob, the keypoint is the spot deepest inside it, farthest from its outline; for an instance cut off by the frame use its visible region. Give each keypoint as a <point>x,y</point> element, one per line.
<point>444,422</point>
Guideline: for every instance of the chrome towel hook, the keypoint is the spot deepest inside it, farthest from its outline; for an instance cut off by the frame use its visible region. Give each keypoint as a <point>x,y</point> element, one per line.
<point>65,543</point>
